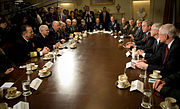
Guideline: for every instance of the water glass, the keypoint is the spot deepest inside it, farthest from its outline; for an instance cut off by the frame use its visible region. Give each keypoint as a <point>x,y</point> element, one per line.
<point>142,74</point>
<point>1,93</point>
<point>26,88</point>
<point>146,99</point>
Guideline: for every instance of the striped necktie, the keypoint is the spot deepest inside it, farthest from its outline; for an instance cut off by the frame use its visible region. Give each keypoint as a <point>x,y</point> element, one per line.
<point>145,37</point>
<point>166,54</point>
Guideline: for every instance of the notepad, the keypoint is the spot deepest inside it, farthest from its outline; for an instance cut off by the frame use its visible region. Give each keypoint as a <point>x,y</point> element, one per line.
<point>36,83</point>
<point>7,85</point>
<point>21,105</point>
<point>137,85</point>
<point>48,64</point>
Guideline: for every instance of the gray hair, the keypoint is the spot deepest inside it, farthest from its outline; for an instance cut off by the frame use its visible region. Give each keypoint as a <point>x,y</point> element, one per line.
<point>149,23</point>
<point>74,20</point>
<point>68,20</point>
<point>168,29</point>
<point>42,27</point>
<point>157,26</point>
<point>62,23</point>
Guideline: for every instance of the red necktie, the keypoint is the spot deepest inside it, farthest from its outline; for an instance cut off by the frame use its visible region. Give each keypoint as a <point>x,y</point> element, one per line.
<point>166,54</point>
<point>145,37</point>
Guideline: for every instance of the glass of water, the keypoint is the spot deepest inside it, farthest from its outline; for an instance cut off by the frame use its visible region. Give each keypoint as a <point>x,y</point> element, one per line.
<point>26,88</point>
<point>1,93</point>
<point>146,99</point>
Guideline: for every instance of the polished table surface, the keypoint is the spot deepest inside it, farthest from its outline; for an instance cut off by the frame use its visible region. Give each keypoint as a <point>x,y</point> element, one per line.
<point>84,78</point>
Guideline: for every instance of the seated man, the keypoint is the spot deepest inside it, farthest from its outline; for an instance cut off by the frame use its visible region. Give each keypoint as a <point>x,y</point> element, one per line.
<point>123,27</point>
<point>169,86</point>
<point>68,26</point>
<point>168,58</point>
<point>98,25</point>
<point>151,51</point>
<point>82,26</point>
<point>41,40</point>
<point>24,45</point>
<point>54,35</point>
<point>63,34</point>
<point>6,65</point>
<point>131,27</point>
<point>138,33</point>
<point>74,26</point>
<point>147,40</point>
<point>114,26</point>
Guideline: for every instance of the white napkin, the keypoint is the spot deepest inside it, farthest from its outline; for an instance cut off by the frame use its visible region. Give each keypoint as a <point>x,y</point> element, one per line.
<point>128,54</point>
<point>36,83</point>
<point>7,85</point>
<point>130,65</point>
<point>120,40</point>
<point>137,85</point>
<point>48,64</point>
<point>21,105</point>
<point>121,37</point>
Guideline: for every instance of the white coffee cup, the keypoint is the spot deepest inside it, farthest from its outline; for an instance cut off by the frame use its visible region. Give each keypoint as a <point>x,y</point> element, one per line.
<point>170,102</point>
<point>156,73</point>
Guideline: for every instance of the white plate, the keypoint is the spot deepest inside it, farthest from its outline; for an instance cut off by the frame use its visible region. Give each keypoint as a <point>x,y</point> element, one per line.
<point>128,85</point>
<point>163,106</point>
<point>46,75</point>
<point>152,76</point>
<point>18,93</point>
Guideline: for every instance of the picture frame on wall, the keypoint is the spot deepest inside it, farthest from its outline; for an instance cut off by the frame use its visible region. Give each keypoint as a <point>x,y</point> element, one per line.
<point>102,2</point>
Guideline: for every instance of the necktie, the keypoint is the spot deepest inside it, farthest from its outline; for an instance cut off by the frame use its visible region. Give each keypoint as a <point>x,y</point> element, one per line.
<point>145,37</point>
<point>166,54</point>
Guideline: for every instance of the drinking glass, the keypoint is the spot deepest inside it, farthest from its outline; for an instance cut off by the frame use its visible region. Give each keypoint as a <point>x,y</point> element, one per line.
<point>26,88</point>
<point>1,93</point>
<point>146,99</point>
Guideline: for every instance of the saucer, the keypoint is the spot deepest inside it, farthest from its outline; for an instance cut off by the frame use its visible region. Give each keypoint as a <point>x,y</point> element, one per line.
<point>120,87</point>
<point>46,58</point>
<point>163,106</point>
<point>61,47</point>
<point>152,76</point>
<point>43,76</point>
<point>35,67</point>
<point>18,93</point>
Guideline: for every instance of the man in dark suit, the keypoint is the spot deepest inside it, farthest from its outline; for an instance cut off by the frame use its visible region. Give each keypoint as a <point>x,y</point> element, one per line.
<point>123,27</point>
<point>151,51</point>
<point>68,26</point>
<point>131,29</point>
<point>41,40</point>
<point>98,25</point>
<point>24,46</point>
<point>138,33</point>
<point>169,86</point>
<point>54,35</point>
<point>6,65</point>
<point>147,40</point>
<point>82,27</point>
<point>113,25</point>
<point>63,33</point>
<point>167,60</point>
<point>89,17</point>
<point>104,18</point>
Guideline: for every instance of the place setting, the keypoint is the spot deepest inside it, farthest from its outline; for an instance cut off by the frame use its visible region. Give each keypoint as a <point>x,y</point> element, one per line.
<point>44,72</point>
<point>47,56</point>
<point>12,93</point>
<point>169,103</point>
<point>122,82</point>
<point>156,74</point>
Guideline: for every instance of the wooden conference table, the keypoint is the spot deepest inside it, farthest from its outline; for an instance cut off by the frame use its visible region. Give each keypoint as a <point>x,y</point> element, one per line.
<point>84,78</point>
